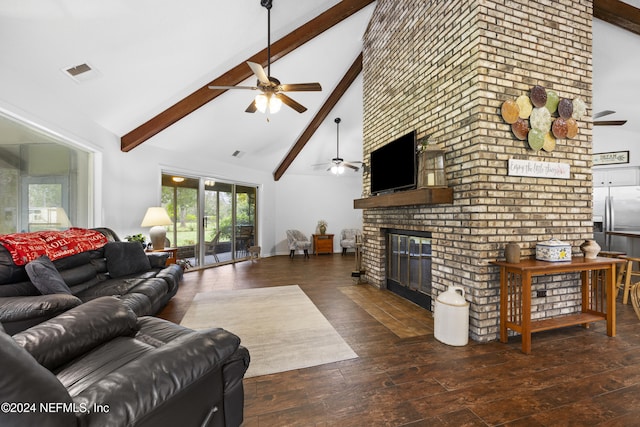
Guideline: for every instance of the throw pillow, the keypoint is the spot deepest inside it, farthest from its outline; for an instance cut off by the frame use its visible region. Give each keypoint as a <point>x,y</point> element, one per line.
<point>45,277</point>
<point>125,258</point>
<point>158,259</point>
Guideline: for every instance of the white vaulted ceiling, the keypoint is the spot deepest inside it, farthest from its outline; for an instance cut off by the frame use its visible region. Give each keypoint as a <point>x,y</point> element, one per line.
<point>616,85</point>
<point>150,54</point>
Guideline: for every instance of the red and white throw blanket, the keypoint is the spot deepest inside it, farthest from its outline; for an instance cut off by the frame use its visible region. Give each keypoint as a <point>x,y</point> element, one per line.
<point>25,247</point>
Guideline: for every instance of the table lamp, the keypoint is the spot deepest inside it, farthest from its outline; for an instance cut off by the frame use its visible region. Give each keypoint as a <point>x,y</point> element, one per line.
<point>157,218</point>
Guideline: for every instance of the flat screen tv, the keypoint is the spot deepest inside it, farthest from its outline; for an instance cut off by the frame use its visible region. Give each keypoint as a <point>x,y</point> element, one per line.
<point>393,166</point>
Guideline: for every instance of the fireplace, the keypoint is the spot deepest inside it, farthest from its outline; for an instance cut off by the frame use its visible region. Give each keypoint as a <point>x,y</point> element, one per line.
<point>408,269</point>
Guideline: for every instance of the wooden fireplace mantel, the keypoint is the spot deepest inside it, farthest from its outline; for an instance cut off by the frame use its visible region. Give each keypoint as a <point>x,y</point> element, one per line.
<point>421,196</point>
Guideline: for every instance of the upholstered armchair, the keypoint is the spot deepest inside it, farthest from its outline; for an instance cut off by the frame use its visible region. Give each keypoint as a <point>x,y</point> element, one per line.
<point>348,238</point>
<point>297,241</point>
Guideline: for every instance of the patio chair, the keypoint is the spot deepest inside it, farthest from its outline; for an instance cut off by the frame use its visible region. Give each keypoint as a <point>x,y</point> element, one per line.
<point>211,247</point>
<point>244,238</point>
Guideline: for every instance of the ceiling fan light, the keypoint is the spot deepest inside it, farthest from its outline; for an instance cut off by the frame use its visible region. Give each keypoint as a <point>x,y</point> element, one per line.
<point>275,104</point>
<point>261,102</point>
<point>337,169</point>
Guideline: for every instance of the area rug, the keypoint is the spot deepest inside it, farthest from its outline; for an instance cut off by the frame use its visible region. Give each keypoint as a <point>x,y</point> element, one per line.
<point>280,326</point>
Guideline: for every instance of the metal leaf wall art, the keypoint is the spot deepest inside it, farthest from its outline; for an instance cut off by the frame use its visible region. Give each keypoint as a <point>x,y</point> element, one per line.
<point>542,117</point>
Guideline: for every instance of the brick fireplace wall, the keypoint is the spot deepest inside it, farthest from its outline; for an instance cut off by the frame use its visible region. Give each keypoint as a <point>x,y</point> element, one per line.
<point>444,69</point>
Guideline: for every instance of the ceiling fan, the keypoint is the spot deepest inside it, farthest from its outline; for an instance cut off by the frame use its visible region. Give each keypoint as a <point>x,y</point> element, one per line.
<point>606,122</point>
<point>338,164</point>
<point>271,95</point>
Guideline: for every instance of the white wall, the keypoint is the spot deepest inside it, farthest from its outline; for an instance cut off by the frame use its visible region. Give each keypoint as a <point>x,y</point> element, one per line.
<point>303,200</point>
<point>608,139</point>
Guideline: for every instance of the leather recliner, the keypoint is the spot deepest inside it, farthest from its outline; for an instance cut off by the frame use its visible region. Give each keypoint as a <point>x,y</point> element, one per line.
<point>100,365</point>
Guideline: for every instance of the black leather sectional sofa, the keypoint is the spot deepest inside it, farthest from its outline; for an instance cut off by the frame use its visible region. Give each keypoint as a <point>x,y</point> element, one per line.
<point>100,365</point>
<point>77,347</point>
<point>122,269</point>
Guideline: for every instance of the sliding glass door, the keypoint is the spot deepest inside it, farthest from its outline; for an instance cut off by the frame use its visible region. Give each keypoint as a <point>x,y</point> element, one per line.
<point>214,222</point>
<point>180,199</point>
<point>244,219</point>
<point>217,222</point>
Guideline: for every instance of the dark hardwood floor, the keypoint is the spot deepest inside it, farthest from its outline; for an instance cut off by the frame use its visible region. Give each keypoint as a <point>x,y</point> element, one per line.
<point>573,377</point>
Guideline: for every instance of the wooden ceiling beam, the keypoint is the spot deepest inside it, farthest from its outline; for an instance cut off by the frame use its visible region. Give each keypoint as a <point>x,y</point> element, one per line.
<point>332,100</point>
<point>241,72</point>
<point>618,13</point>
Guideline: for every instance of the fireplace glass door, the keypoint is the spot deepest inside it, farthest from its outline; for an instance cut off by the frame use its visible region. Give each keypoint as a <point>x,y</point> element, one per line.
<point>409,265</point>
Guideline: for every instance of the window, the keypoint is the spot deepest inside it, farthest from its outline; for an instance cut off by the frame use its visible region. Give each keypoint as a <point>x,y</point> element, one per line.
<point>45,182</point>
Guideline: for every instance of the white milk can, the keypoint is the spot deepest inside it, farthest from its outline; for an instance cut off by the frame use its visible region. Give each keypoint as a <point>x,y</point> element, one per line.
<point>451,317</point>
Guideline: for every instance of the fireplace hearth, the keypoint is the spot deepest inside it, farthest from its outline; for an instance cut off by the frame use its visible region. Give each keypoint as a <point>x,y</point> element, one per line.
<point>408,269</point>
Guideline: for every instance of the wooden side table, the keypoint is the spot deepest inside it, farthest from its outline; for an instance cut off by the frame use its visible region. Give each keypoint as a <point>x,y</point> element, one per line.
<point>598,295</point>
<point>173,254</point>
<point>322,243</point>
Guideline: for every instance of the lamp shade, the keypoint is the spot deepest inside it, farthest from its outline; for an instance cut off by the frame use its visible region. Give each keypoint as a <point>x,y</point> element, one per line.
<point>337,169</point>
<point>268,103</point>
<point>261,102</point>
<point>274,104</point>
<point>156,218</point>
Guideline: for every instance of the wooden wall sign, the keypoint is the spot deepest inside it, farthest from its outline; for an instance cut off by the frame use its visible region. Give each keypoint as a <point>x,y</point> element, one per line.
<point>539,169</point>
<point>612,158</point>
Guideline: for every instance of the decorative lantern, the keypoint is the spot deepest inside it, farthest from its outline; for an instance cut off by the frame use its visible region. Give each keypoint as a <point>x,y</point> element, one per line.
<point>431,172</point>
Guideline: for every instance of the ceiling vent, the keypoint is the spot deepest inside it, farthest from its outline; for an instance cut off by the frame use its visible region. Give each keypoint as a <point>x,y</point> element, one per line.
<point>81,73</point>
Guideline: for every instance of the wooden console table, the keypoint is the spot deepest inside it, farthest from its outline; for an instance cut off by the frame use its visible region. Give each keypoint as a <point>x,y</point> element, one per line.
<point>322,243</point>
<point>598,295</point>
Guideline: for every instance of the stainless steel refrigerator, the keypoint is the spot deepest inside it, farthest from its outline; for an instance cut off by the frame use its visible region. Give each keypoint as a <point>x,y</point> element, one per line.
<point>616,209</point>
